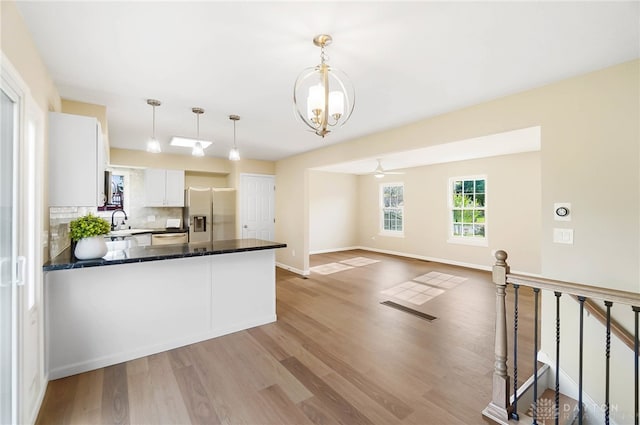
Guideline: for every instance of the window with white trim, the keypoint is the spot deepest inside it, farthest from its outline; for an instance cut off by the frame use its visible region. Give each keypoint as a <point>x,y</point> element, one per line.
<point>468,210</point>
<point>392,209</point>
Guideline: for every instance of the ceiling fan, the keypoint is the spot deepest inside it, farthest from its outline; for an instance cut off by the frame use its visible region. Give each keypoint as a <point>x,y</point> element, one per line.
<point>379,172</point>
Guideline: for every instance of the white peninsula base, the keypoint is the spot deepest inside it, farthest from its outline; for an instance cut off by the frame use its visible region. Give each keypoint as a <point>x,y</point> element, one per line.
<point>99,316</point>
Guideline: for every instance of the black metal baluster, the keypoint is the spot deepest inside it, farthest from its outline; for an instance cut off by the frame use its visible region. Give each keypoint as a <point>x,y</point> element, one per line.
<point>514,413</point>
<point>557,395</point>
<point>536,292</point>
<point>635,358</point>
<point>581,300</point>
<point>608,304</point>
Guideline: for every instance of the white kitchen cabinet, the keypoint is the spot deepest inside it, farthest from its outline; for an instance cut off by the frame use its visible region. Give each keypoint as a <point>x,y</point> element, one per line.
<point>76,161</point>
<point>164,188</point>
<point>101,316</point>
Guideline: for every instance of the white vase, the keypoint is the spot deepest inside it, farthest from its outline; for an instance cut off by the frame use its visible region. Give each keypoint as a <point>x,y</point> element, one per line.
<point>90,248</point>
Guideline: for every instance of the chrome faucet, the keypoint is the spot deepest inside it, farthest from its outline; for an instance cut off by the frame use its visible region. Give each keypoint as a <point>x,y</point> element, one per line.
<point>113,225</point>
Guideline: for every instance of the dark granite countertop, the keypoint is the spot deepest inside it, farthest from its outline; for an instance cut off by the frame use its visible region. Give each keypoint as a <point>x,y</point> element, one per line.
<point>66,260</point>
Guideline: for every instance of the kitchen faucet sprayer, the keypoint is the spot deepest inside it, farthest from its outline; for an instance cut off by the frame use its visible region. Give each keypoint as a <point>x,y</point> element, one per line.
<point>113,225</point>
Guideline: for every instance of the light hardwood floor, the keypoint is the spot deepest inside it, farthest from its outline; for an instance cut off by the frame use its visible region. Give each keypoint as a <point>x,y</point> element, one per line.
<point>335,355</point>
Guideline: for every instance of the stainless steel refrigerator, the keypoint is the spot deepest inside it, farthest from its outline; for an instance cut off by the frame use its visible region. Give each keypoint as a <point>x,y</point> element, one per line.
<point>210,214</point>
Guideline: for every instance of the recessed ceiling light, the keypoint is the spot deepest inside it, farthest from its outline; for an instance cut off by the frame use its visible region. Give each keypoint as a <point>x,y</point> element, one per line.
<point>185,142</point>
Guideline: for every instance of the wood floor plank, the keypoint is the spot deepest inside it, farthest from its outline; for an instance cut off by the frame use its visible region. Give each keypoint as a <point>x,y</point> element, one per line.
<point>268,343</point>
<point>260,369</point>
<point>142,405</point>
<point>389,401</point>
<point>296,349</point>
<point>360,400</point>
<point>87,404</point>
<point>115,397</point>
<point>200,409</point>
<point>331,400</point>
<point>166,391</point>
<point>57,406</point>
<point>180,357</point>
<point>231,398</point>
<point>317,412</point>
<point>279,409</point>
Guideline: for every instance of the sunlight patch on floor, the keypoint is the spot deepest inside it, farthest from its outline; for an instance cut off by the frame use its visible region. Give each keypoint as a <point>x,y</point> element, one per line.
<point>350,263</point>
<point>423,288</point>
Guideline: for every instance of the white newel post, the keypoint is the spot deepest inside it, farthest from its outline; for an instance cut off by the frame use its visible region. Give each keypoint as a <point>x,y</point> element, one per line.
<point>500,408</point>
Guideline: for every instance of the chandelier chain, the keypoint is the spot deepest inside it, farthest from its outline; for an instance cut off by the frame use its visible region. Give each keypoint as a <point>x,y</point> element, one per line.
<point>323,55</point>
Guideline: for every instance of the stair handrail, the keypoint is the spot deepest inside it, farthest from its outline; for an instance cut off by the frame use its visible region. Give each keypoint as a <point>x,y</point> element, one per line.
<point>616,328</point>
<point>500,408</point>
<point>577,289</point>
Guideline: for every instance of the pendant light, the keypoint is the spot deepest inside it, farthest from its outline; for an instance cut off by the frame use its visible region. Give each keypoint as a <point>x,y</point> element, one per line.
<point>153,145</point>
<point>197,148</point>
<point>234,153</point>
<point>323,96</point>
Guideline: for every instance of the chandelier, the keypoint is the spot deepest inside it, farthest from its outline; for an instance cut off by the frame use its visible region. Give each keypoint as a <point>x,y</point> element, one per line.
<point>323,96</point>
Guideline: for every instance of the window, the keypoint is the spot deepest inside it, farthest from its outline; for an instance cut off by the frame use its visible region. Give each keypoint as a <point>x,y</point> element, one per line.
<point>392,209</point>
<point>114,192</point>
<point>467,201</point>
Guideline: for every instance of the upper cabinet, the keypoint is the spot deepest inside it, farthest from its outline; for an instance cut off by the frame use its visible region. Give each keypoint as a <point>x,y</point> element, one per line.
<point>164,188</point>
<point>76,161</point>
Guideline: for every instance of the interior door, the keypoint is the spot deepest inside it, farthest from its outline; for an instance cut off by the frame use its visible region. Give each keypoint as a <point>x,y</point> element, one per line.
<point>21,334</point>
<point>257,206</point>
<point>8,256</point>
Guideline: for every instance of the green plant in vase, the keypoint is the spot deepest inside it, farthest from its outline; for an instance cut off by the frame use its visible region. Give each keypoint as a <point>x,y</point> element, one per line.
<point>88,232</point>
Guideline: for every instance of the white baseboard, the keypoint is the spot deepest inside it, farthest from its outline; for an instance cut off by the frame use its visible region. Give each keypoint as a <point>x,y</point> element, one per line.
<point>38,404</point>
<point>293,269</point>
<point>124,356</point>
<point>484,267</point>
<point>326,251</point>
<point>425,258</point>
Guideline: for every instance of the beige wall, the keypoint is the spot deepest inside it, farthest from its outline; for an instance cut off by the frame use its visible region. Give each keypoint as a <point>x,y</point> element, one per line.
<point>19,48</point>
<point>220,166</point>
<point>200,179</point>
<point>513,213</point>
<point>134,158</point>
<point>333,207</point>
<point>589,157</point>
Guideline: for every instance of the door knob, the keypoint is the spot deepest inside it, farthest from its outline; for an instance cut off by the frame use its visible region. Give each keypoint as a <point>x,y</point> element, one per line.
<point>245,226</point>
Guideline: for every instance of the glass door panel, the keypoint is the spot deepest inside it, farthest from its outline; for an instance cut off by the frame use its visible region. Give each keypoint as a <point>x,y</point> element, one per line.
<point>8,115</point>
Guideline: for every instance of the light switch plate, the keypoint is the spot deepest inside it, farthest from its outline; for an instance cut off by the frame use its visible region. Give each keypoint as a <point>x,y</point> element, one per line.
<point>564,236</point>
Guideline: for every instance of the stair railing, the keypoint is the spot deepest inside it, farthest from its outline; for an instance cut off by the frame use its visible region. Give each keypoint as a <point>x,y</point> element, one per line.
<point>500,409</point>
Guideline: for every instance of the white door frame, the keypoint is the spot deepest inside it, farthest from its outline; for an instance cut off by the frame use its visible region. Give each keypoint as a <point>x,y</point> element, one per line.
<point>12,90</point>
<point>242,198</point>
<point>27,236</point>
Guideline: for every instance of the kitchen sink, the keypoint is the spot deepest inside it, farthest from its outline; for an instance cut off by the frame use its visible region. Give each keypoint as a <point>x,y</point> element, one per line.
<point>126,232</point>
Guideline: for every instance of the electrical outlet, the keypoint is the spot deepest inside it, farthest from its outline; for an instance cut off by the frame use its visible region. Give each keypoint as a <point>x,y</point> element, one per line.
<point>151,218</point>
<point>293,252</point>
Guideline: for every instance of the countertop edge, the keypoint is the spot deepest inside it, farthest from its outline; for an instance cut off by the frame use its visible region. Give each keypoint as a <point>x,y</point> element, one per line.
<point>197,252</point>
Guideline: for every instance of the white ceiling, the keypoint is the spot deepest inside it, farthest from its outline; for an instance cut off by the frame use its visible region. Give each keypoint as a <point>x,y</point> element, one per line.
<point>407,60</point>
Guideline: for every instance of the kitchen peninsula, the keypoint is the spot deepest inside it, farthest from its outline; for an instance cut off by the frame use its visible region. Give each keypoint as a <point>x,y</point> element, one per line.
<point>144,300</point>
